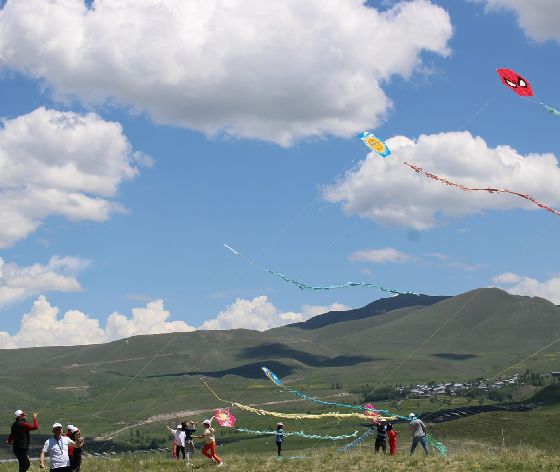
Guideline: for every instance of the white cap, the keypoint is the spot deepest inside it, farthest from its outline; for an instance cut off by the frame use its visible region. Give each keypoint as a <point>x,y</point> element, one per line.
<point>70,426</point>
<point>206,422</point>
<point>280,424</point>
<point>19,412</point>
<point>74,429</point>
<point>179,426</point>
<point>56,425</point>
<point>411,415</point>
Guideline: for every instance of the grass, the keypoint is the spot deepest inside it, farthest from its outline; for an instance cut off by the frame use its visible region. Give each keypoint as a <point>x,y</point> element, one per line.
<point>474,457</point>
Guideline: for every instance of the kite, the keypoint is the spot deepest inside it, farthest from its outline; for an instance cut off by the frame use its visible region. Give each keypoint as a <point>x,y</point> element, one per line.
<point>521,87</point>
<point>372,412</point>
<point>296,416</point>
<point>272,376</point>
<point>374,143</point>
<point>436,445</point>
<point>303,286</point>
<point>369,409</point>
<point>355,442</point>
<point>301,434</point>
<point>486,189</point>
<point>225,418</point>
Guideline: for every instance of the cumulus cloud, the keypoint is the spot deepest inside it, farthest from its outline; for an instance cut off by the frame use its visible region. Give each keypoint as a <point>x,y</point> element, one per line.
<point>60,163</point>
<point>18,283</point>
<point>381,256</point>
<point>259,314</point>
<point>530,287</point>
<point>392,194</point>
<point>539,18</point>
<point>43,327</point>
<point>275,71</point>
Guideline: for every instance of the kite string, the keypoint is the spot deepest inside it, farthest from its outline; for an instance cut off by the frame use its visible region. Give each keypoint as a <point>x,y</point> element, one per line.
<point>487,103</point>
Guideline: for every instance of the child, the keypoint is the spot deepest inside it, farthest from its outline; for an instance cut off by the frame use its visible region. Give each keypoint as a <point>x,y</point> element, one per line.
<point>392,437</point>
<point>210,440</point>
<point>279,437</point>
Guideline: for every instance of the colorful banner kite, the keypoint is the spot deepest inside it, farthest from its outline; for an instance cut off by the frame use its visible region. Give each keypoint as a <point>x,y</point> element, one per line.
<point>225,418</point>
<point>368,409</point>
<point>303,286</point>
<point>296,416</point>
<point>372,412</point>
<point>436,445</point>
<point>355,442</point>
<point>374,143</point>
<point>485,189</point>
<point>521,87</point>
<point>272,376</point>
<point>300,433</point>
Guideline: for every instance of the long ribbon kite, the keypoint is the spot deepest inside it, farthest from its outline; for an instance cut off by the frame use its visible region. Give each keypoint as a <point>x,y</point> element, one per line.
<point>485,189</point>
<point>300,433</point>
<point>296,416</point>
<point>303,286</point>
<point>437,445</point>
<point>355,442</point>
<point>272,376</point>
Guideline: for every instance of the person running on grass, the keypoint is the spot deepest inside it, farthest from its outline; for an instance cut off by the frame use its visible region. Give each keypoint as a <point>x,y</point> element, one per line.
<point>20,438</point>
<point>57,448</point>
<point>210,440</point>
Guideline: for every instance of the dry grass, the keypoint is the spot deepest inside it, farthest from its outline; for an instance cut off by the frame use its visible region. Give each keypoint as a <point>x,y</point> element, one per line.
<point>472,458</point>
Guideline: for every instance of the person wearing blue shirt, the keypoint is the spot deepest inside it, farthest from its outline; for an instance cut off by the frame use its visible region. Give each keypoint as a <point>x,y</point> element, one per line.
<point>279,437</point>
<point>381,438</point>
<point>189,444</point>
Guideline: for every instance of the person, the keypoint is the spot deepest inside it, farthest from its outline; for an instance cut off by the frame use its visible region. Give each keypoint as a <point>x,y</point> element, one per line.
<point>418,433</point>
<point>381,438</point>
<point>279,437</point>
<point>189,444</point>
<point>20,438</point>
<point>77,451</point>
<point>210,441</point>
<point>392,437</point>
<point>57,448</point>
<point>70,448</point>
<point>179,439</point>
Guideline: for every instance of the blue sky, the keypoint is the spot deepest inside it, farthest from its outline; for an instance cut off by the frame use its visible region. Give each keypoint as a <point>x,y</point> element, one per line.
<point>136,141</point>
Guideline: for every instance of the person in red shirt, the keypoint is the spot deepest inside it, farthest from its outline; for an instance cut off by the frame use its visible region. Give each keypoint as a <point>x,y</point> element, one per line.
<point>392,437</point>
<point>20,438</point>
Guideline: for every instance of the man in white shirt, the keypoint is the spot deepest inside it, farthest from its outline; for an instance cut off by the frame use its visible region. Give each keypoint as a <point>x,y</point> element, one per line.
<point>57,448</point>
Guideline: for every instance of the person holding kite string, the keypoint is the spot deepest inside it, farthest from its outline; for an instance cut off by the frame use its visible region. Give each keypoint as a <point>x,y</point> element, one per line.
<point>381,438</point>
<point>57,448</point>
<point>189,444</point>
<point>179,439</point>
<point>279,437</point>
<point>418,433</point>
<point>20,438</point>
<point>210,441</point>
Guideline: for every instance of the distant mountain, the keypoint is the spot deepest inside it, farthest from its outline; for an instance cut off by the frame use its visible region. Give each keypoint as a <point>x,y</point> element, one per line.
<point>375,308</point>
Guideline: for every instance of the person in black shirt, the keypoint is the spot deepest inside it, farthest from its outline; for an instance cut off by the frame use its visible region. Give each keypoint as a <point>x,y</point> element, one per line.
<point>381,438</point>
<point>19,438</point>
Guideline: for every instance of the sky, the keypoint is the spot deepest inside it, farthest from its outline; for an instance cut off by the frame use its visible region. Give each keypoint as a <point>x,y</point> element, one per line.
<point>139,136</point>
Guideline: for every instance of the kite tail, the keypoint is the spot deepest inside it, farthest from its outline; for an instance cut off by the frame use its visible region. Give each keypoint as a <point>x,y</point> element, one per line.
<point>355,442</point>
<point>552,110</point>
<point>301,434</point>
<point>437,445</point>
<point>208,386</point>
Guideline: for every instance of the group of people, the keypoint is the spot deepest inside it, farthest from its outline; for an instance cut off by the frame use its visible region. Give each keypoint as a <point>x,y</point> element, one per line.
<point>385,432</point>
<point>184,444</point>
<point>65,452</point>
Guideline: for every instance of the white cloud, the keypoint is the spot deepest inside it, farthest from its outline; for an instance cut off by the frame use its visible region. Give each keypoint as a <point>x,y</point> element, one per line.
<point>392,194</point>
<point>539,18</point>
<point>259,314</point>
<point>42,326</point>
<point>381,256</point>
<point>276,71</point>
<point>60,163</point>
<point>530,287</point>
<point>18,283</point>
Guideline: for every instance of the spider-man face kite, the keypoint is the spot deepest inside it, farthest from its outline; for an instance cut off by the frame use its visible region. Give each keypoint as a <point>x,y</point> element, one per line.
<point>515,82</point>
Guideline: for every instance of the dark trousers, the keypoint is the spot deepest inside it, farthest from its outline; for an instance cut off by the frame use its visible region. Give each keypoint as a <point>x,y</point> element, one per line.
<point>180,449</point>
<point>76,460</point>
<point>23,458</point>
<point>279,444</point>
<point>62,469</point>
<point>380,443</point>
